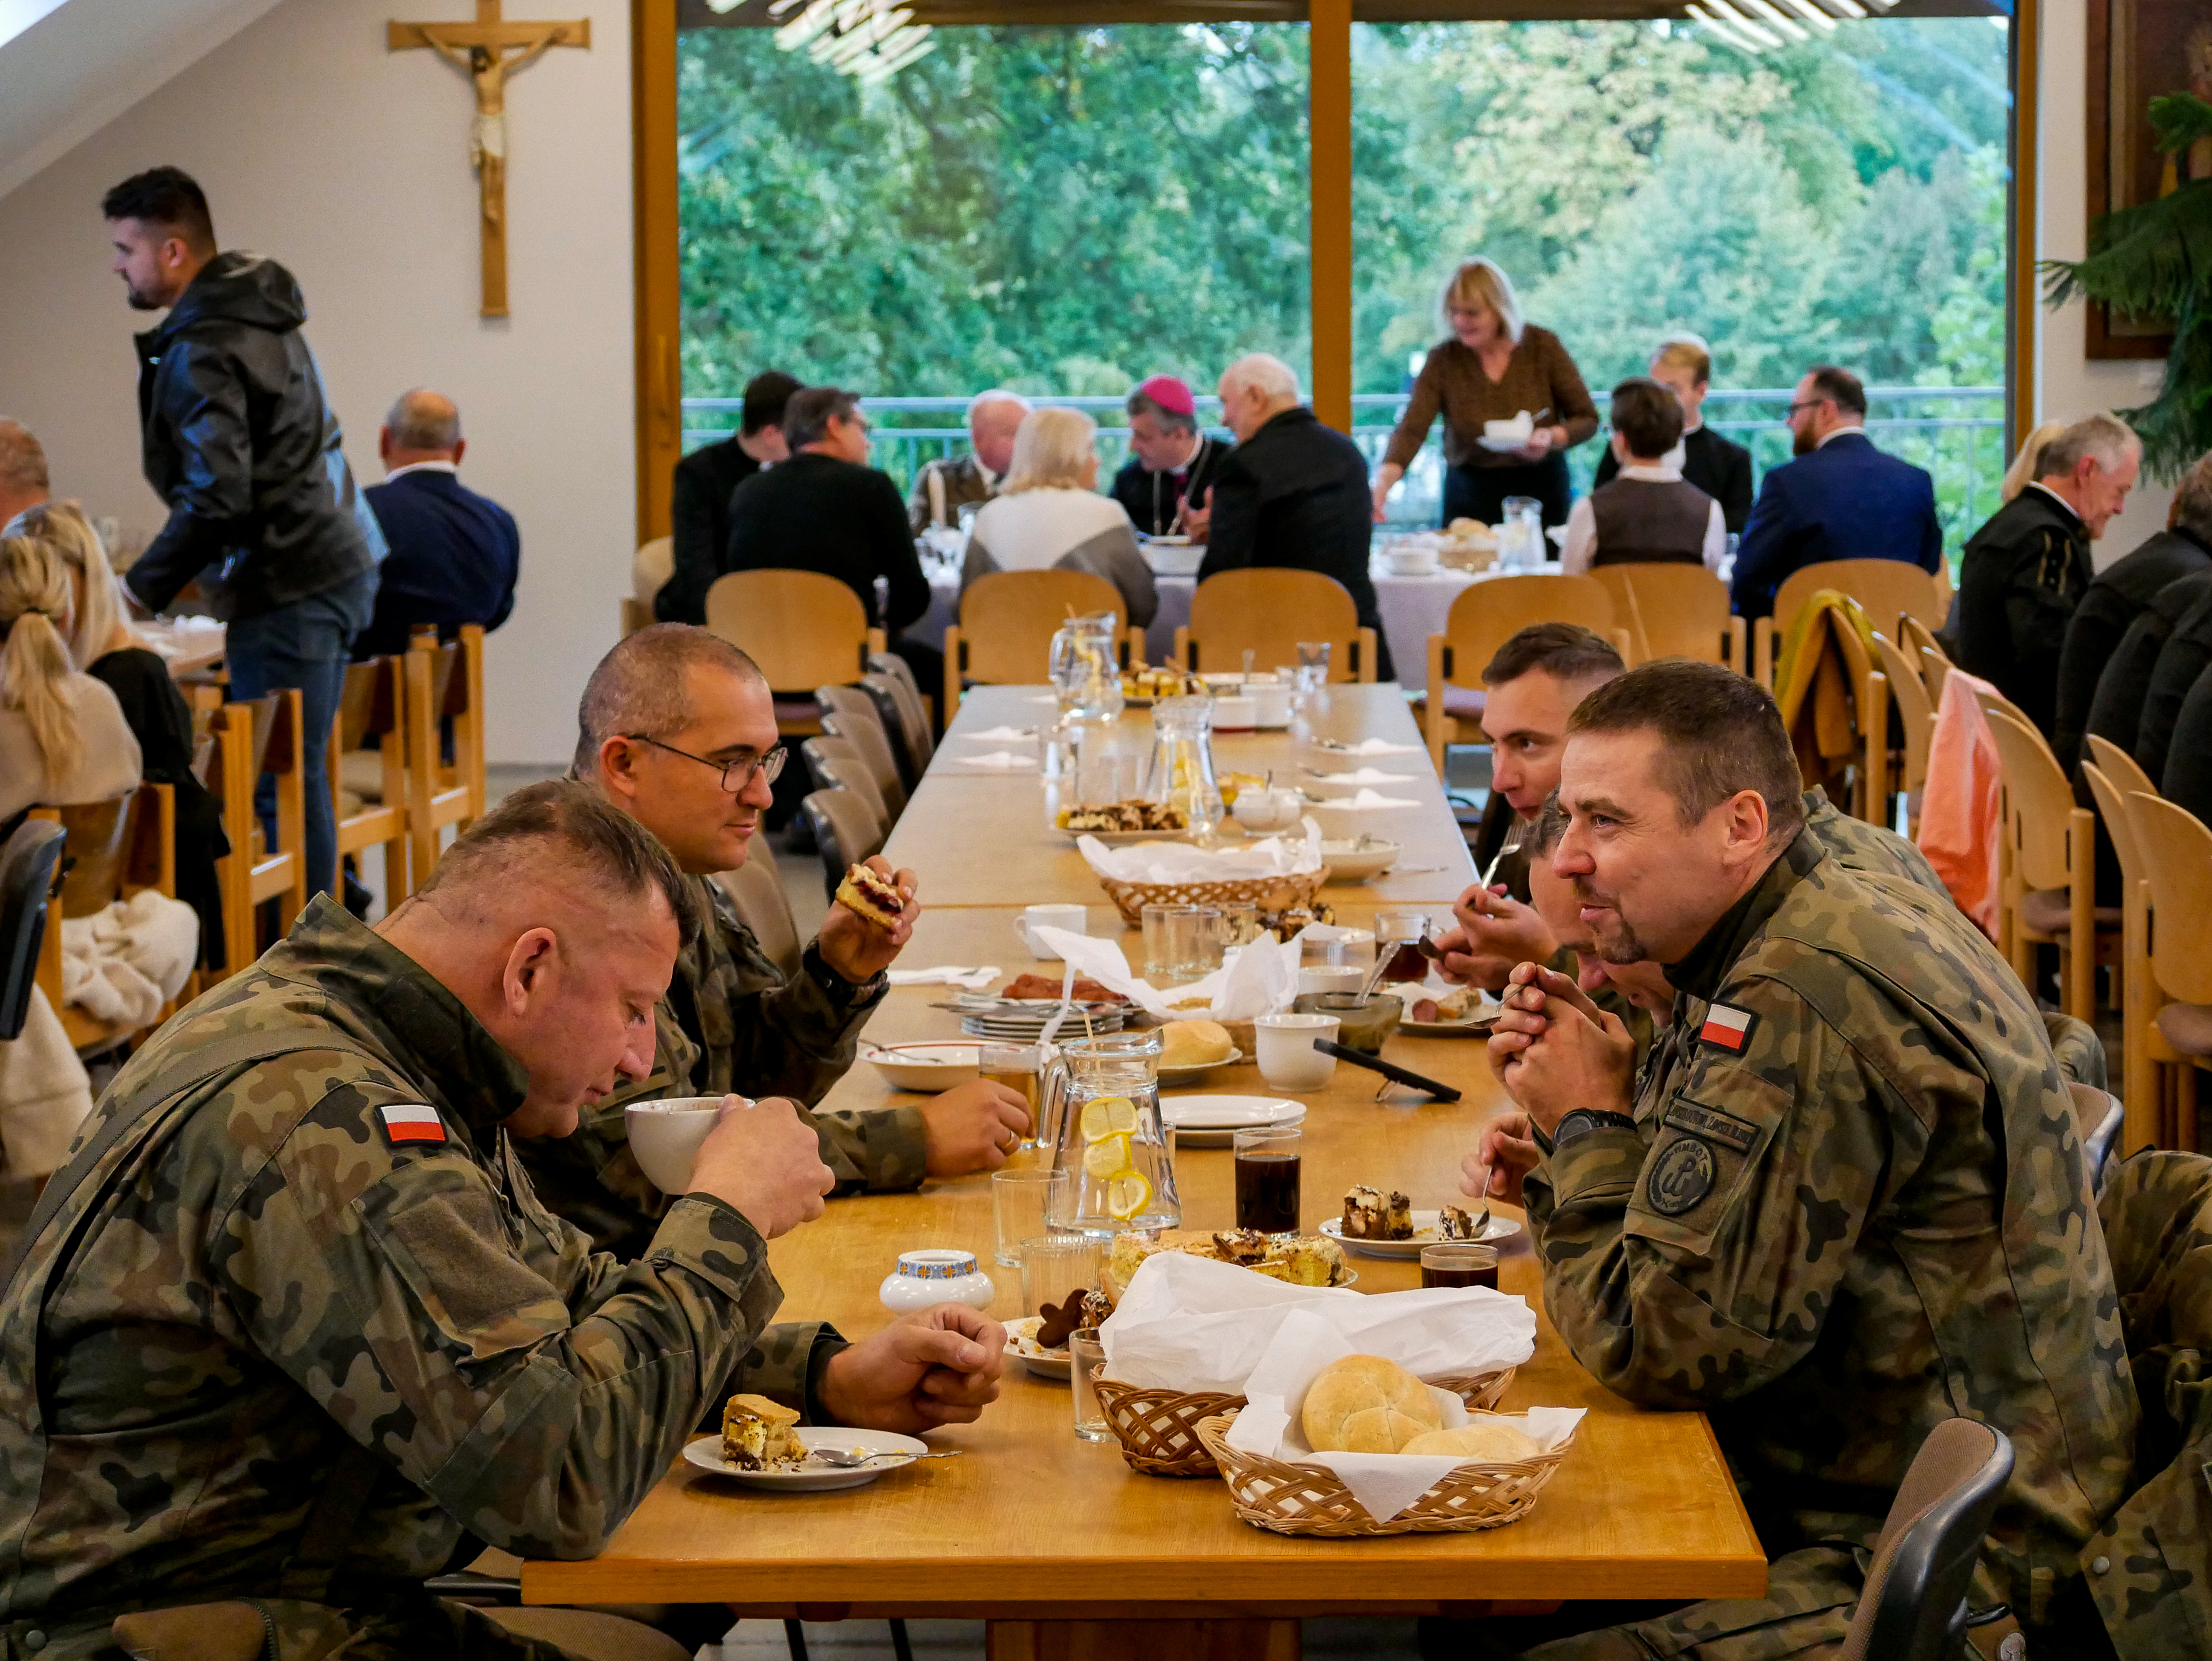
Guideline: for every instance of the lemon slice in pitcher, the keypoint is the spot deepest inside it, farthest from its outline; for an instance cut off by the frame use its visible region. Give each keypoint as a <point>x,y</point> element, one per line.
<point>1107,1158</point>
<point>1128,1195</point>
<point>1108,1115</point>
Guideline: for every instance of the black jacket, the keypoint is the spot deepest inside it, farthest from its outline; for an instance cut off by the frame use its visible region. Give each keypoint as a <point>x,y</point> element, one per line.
<point>1295,495</point>
<point>454,559</point>
<point>816,513</point>
<point>2116,712</point>
<point>1151,500</point>
<point>2114,599</point>
<point>241,442</point>
<point>699,511</point>
<point>2181,662</point>
<point>2021,577</point>
<point>1718,466</point>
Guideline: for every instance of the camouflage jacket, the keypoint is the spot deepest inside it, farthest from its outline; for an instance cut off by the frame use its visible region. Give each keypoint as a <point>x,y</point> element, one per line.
<point>1853,1204</point>
<point>2150,1565</point>
<point>732,1022</point>
<point>270,1274</point>
<point>1867,848</point>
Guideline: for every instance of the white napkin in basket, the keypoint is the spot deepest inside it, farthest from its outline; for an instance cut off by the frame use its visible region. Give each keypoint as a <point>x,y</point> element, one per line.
<point>1261,980</point>
<point>1179,861</point>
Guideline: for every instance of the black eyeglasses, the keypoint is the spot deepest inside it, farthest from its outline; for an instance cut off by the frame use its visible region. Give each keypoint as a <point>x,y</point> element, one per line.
<point>736,775</point>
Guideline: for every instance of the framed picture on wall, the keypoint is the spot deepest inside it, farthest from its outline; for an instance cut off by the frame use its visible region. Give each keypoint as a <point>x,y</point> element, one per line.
<point>2138,49</point>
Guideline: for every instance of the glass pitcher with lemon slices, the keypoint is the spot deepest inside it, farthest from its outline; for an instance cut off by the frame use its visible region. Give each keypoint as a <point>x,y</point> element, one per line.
<point>1111,1140</point>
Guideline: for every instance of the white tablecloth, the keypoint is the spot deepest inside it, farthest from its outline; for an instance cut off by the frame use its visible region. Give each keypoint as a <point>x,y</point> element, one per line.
<point>1411,608</point>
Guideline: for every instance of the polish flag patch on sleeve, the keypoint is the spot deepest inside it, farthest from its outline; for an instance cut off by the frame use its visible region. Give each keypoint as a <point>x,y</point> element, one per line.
<point>1729,1028</point>
<point>411,1123</point>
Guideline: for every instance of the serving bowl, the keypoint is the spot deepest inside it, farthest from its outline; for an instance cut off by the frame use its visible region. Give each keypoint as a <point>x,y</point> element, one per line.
<point>925,1068</point>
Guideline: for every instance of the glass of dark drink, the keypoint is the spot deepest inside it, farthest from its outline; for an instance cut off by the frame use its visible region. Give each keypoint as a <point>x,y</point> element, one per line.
<point>1459,1264</point>
<point>1267,1161</point>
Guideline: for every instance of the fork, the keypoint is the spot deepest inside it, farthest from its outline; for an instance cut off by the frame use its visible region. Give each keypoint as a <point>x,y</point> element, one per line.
<point>1514,836</point>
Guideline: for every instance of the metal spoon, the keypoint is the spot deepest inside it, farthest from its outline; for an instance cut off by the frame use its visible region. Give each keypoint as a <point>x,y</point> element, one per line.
<point>848,1459</point>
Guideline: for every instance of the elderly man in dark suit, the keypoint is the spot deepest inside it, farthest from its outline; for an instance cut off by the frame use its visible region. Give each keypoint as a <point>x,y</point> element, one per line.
<point>1839,499</point>
<point>1292,493</point>
<point>455,555</point>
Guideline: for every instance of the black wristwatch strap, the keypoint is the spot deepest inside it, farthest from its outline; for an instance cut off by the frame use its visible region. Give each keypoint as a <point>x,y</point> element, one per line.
<point>1584,1120</point>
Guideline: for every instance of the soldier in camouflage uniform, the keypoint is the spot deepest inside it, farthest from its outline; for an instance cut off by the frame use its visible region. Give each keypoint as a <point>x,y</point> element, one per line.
<point>1844,1200</point>
<point>292,1332</point>
<point>678,730</point>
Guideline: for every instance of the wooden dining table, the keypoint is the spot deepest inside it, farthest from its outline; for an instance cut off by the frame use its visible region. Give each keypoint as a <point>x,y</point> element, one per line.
<point>1055,1541</point>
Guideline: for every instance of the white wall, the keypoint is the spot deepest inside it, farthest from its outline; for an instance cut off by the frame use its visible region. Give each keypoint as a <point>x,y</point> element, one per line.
<point>2068,384</point>
<point>349,164</point>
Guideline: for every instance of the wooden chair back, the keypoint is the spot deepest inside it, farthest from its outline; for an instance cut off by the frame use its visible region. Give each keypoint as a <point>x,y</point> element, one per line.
<point>246,741</point>
<point>371,715</point>
<point>756,888</point>
<point>1915,715</point>
<point>2177,857</point>
<point>901,726</point>
<point>844,831</point>
<point>803,629</point>
<point>899,673</point>
<point>1486,615</point>
<point>2138,1067</point>
<point>650,570</point>
<point>443,689</point>
<point>1267,611</point>
<point>1674,611</point>
<point>1888,589</point>
<point>1918,638</point>
<point>112,850</point>
<point>2049,843</point>
<point>837,764</point>
<point>855,721</point>
<point>1007,620</point>
<point>2121,768</point>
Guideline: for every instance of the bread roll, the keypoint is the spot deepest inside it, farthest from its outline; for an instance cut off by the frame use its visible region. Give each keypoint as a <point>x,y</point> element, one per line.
<point>1365,1405</point>
<point>1193,1044</point>
<point>1486,1441</point>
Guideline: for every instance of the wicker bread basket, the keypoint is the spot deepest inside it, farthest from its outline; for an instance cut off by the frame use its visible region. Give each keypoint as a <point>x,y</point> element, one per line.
<point>1158,1428</point>
<point>1311,1500</point>
<point>1267,893</point>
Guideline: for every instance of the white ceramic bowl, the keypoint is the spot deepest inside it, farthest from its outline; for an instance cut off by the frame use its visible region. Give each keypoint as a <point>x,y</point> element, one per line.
<point>1411,561</point>
<point>666,1136</point>
<point>1355,860</point>
<point>924,1067</point>
<point>1170,559</point>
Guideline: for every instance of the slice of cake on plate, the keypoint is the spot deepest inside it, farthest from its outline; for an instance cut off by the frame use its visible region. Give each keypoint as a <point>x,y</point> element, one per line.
<point>757,1434</point>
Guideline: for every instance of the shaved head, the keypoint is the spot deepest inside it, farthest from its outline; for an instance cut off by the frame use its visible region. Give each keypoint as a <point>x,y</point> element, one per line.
<point>643,685</point>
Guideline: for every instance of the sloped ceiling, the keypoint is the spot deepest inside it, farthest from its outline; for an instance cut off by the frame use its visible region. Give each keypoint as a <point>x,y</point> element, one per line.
<point>69,67</point>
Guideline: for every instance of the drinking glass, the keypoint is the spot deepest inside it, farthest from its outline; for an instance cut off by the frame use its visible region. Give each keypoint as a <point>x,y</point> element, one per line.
<point>1103,775</point>
<point>1397,937</point>
<point>1020,1067</point>
<point>1172,940</point>
<point>1460,1263</point>
<point>1086,1352</point>
<point>1022,1202</point>
<point>1240,922</point>
<point>1267,1165</point>
<point>1056,1267</point>
<point>1313,663</point>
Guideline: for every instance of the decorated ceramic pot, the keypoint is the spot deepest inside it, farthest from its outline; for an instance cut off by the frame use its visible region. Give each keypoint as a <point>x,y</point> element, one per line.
<point>923,1279</point>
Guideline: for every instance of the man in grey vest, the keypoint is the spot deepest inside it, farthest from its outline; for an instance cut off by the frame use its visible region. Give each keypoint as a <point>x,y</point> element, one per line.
<point>1648,513</point>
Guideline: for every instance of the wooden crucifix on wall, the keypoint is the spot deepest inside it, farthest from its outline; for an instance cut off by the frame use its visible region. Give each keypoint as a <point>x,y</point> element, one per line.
<point>489,50</point>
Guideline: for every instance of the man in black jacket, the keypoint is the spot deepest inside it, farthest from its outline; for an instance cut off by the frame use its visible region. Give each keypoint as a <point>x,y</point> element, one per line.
<point>455,555</point>
<point>242,443</point>
<point>1293,493</point>
<point>2123,592</point>
<point>827,510</point>
<point>2024,571</point>
<point>1719,467</point>
<point>699,509</point>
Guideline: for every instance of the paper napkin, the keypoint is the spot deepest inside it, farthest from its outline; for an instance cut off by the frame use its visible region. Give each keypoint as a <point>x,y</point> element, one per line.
<point>1364,776</point>
<point>1001,735</point>
<point>945,974</point>
<point>1366,800</point>
<point>997,760</point>
<point>1375,747</point>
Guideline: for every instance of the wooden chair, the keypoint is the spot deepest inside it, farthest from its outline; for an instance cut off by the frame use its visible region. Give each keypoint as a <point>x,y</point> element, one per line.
<point>2048,868</point>
<point>1917,639</point>
<point>902,727</point>
<point>2139,1077</point>
<point>1916,719</point>
<point>756,888</point>
<point>843,829</point>
<point>1007,620</point>
<point>2121,768</point>
<point>1484,617</point>
<point>649,571</point>
<point>1267,611</point>
<point>112,849</point>
<point>837,765</point>
<point>1851,760</point>
<point>1675,612</point>
<point>2176,855</point>
<point>849,714</point>
<point>28,860</point>
<point>803,629</point>
<point>917,704</point>
<point>250,739</point>
<point>444,688</point>
<point>1887,589</point>
<point>370,712</point>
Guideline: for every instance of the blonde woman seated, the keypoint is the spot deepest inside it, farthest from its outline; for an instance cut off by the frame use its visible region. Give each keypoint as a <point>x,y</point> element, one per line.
<point>1048,516</point>
<point>63,738</point>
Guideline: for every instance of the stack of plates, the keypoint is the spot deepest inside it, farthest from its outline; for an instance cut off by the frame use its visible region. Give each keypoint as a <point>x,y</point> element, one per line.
<point>1023,1020</point>
<point>1213,1121</point>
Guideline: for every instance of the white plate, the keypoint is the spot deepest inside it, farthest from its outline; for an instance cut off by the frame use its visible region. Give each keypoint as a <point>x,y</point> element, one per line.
<point>1213,1121</point>
<point>1199,1069</point>
<point>1348,861</point>
<point>891,1450</point>
<point>924,1067</point>
<point>1021,1346</point>
<point>1424,1234</point>
<point>1476,1025</point>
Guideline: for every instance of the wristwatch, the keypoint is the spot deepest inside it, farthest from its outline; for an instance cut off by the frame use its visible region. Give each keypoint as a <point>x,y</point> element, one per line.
<point>848,994</point>
<point>1581,1121</point>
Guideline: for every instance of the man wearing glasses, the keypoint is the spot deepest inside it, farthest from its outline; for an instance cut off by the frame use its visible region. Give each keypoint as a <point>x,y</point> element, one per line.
<point>678,729</point>
<point>1839,499</point>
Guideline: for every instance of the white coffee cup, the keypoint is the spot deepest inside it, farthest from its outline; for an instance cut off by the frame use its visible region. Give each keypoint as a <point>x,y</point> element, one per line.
<point>1331,977</point>
<point>1270,702</point>
<point>1288,1059</point>
<point>665,1137</point>
<point>1235,714</point>
<point>1069,917</point>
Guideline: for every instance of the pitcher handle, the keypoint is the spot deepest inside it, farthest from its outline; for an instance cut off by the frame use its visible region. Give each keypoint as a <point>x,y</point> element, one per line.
<point>1051,1097</point>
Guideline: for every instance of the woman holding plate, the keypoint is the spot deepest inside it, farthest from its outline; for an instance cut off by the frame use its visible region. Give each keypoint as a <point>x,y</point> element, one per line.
<point>1495,368</point>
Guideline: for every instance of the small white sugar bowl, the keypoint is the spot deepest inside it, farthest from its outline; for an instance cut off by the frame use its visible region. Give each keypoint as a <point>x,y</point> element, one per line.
<point>924,1279</point>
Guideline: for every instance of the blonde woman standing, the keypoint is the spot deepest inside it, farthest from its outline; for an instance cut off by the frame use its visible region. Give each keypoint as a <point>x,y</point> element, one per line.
<point>63,738</point>
<point>1494,366</point>
<point>1048,516</point>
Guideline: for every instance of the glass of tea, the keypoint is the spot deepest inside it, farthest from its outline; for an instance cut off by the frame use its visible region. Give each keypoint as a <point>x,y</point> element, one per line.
<point>1267,1161</point>
<point>1398,935</point>
<point>1460,1263</point>
<point>1020,1067</point>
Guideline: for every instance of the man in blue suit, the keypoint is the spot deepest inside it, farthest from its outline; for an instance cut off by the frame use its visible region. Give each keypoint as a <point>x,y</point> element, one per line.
<point>1840,499</point>
<point>455,555</point>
